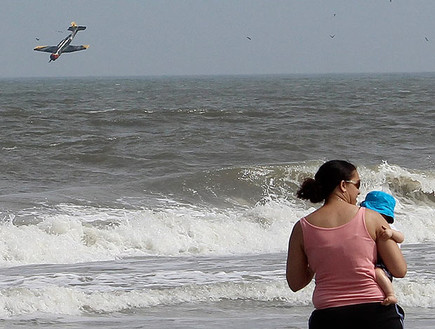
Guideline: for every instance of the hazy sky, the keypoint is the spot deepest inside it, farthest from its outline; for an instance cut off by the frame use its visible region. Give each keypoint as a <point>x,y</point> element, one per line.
<point>191,37</point>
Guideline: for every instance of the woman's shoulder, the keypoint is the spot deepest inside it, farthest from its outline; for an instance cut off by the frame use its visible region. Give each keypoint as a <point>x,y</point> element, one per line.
<point>297,236</point>
<point>374,222</point>
<point>373,216</point>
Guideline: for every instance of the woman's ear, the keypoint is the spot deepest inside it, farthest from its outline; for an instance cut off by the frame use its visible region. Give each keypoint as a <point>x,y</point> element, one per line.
<point>342,186</point>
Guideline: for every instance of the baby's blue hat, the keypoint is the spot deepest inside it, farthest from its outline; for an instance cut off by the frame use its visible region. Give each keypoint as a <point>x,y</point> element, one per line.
<point>381,202</point>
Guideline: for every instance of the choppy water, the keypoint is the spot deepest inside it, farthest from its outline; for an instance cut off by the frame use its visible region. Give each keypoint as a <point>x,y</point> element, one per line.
<point>168,202</point>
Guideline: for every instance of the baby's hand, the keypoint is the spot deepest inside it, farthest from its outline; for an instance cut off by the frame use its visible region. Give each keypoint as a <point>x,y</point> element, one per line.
<point>386,234</point>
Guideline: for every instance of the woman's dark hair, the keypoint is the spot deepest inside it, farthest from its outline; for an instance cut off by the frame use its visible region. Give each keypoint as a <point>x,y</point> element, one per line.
<point>329,175</point>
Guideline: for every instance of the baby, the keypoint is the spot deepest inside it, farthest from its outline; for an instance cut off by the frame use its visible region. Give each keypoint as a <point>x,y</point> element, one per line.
<point>384,204</point>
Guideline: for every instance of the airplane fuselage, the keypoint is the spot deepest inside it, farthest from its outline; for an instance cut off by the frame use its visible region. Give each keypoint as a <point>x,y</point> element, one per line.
<point>62,45</point>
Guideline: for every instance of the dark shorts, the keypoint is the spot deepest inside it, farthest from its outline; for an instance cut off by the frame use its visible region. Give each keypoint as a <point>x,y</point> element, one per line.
<point>360,316</point>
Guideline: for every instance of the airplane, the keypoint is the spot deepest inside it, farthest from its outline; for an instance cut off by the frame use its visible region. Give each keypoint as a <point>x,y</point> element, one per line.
<point>64,46</point>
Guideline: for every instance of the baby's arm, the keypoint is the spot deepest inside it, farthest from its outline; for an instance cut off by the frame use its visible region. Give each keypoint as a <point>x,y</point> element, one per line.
<point>389,233</point>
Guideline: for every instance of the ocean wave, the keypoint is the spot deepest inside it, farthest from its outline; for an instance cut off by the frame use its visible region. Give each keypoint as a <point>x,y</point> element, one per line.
<point>80,234</point>
<point>231,211</point>
<point>246,186</point>
<point>54,299</point>
<point>71,301</point>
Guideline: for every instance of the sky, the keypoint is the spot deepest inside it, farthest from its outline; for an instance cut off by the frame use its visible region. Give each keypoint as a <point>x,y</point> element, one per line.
<point>218,37</point>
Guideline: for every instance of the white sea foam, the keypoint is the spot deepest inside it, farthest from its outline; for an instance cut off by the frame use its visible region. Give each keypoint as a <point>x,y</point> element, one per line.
<point>56,299</point>
<point>81,234</point>
<point>74,233</point>
<point>63,300</point>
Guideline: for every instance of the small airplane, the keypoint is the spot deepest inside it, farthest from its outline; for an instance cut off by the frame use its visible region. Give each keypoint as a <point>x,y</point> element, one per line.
<point>64,46</point>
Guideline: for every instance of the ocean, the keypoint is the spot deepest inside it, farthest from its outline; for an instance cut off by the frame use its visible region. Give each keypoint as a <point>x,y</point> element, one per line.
<point>167,202</point>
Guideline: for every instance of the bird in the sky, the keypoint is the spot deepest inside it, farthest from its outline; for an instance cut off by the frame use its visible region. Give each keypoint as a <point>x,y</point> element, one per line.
<point>426,38</point>
<point>332,36</point>
<point>249,38</point>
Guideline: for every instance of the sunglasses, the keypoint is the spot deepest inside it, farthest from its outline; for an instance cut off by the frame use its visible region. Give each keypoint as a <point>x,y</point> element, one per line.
<point>357,184</point>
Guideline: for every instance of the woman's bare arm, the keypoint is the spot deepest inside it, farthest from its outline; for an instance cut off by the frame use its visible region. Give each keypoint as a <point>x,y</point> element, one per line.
<point>389,251</point>
<point>298,273</point>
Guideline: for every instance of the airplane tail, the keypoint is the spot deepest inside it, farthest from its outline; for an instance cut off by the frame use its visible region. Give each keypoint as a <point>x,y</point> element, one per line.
<point>74,26</point>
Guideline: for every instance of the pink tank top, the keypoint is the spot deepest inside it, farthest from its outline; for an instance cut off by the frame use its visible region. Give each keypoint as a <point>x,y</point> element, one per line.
<point>343,259</point>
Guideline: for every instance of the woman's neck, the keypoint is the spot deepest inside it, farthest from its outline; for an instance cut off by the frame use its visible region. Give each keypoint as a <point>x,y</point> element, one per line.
<point>336,198</point>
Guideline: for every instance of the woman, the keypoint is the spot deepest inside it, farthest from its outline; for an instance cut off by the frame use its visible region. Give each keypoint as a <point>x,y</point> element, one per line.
<point>338,244</point>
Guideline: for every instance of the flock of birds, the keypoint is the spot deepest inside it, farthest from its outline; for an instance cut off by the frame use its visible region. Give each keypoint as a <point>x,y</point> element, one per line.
<point>333,35</point>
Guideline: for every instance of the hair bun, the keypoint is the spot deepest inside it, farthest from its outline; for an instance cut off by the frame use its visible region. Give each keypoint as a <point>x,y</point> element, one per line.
<point>310,190</point>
